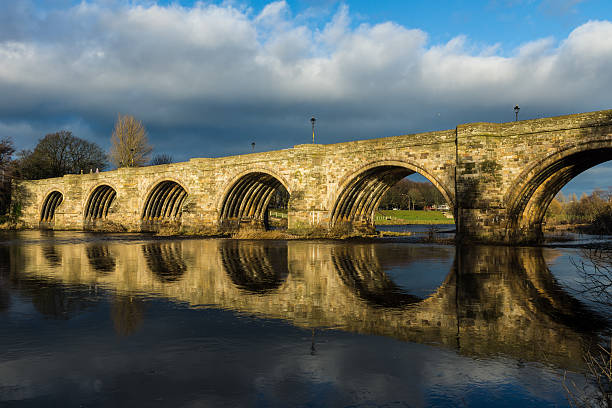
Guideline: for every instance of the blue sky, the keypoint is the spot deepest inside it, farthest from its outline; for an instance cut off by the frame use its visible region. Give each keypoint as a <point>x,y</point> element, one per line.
<point>209,78</point>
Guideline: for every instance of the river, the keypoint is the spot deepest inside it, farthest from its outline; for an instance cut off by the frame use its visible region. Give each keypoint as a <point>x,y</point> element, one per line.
<point>134,320</point>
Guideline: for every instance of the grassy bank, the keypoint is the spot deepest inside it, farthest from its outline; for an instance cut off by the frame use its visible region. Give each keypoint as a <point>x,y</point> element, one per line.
<point>394,217</point>
<point>402,217</point>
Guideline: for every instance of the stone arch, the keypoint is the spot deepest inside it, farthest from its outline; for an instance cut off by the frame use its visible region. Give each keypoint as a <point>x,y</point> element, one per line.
<point>360,191</point>
<point>534,189</point>
<point>245,201</point>
<point>99,201</point>
<point>164,201</point>
<point>50,204</point>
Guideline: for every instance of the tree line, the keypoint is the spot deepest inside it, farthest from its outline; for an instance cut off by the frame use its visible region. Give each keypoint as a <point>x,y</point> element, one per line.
<point>593,212</point>
<point>61,153</point>
<point>411,195</point>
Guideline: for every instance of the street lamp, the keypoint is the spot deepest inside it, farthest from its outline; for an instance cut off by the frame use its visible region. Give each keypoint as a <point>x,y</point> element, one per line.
<point>132,157</point>
<point>313,120</point>
<point>516,111</point>
<point>253,146</point>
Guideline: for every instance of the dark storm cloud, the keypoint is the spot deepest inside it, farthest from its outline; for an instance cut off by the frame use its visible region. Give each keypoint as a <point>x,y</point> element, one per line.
<point>208,80</point>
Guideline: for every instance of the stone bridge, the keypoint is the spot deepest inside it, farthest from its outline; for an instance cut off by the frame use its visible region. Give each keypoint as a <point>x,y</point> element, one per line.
<point>498,178</point>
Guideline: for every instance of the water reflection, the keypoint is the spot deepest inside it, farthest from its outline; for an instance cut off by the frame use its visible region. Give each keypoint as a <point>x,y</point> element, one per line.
<point>53,257</point>
<point>5,295</point>
<point>255,266</point>
<point>165,260</point>
<point>360,270</point>
<point>127,313</point>
<point>493,300</point>
<point>101,259</point>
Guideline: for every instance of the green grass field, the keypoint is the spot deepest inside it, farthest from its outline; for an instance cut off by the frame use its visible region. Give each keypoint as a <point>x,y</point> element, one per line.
<point>399,217</point>
<point>394,217</point>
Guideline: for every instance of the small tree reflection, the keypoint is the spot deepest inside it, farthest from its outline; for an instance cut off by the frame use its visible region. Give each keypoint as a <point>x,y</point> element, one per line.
<point>127,313</point>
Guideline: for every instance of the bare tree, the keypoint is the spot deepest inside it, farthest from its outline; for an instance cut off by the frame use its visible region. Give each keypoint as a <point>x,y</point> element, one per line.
<point>163,158</point>
<point>58,154</point>
<point>595,269</point>
<point>6,152</point>
<point>130,145</point>
<point>599,375</point>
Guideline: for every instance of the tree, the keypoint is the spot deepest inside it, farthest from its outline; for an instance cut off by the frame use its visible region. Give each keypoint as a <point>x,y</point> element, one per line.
<point>554,210</point>
<point>58,154</point>
<point>163,158</point>
<point>6,153</point>
<point>130,145</point>
<point>408,194</point>
<point>595,269</point>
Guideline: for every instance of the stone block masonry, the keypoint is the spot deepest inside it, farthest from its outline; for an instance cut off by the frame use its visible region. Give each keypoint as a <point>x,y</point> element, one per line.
<point>498,178</point>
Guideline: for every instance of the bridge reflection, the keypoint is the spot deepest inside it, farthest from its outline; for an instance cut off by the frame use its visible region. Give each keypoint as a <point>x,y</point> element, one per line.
<point>254,267</point>
<point>494,300</point>
<point>165,261</point>
<point>360,270</point>
<point>100,258</point>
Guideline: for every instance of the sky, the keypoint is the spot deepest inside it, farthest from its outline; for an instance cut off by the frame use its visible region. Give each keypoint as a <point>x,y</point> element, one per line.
<point>209,78</point>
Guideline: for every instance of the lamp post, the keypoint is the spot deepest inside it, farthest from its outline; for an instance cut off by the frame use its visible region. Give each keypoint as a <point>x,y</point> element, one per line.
<point>132,157</point>
<point>253,146</point>
<point>313,120</point>
<point>516,111</point>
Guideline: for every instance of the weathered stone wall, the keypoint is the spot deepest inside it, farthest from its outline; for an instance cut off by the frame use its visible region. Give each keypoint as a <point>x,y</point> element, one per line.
<point>500,167</point>
<point>499,178</point>
<point>312,174</point>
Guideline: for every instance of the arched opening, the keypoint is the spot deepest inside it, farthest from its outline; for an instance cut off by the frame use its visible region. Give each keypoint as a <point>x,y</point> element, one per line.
<point>360,198</point>
<point>164,202</point>
<point>531,199</point>
<point>99,203</point>
<point>53,200</point>
<point>253,201</point>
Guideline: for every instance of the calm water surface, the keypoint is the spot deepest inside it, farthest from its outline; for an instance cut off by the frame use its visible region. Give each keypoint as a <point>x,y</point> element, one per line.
<point>129,320</point>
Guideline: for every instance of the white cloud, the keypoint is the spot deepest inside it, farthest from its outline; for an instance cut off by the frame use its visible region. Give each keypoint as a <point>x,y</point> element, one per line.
<point>222,67</point>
